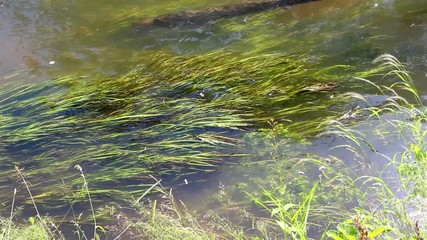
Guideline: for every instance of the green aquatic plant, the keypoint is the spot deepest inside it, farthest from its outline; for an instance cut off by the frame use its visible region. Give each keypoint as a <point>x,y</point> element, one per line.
<point>173,115</point>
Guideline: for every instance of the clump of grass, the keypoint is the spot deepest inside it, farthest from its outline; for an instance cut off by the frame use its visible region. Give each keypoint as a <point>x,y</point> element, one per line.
<point>393,211</point>
<point>169,218</point>
<point>38,227</point>
<point>165,221</point>
<point>43,227</point>
<point>292,218</point>
<point>363,226</point>
<point>34,229</point>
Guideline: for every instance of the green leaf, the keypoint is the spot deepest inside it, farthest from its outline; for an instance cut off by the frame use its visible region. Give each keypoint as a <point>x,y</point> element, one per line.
<point>101,228</point>
<point>32,220</point>
<point>335,235</point>
<point>378,232</point>
<point>275,211</point>
<point>348,229</point>
<point>281,225</point>
<point>286,207</point>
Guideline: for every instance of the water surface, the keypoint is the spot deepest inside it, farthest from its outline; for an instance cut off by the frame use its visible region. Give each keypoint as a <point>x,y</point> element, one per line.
<point>45,39</point>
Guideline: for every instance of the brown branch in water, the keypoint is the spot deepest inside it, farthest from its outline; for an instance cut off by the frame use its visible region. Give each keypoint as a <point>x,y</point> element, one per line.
<point>205,15</point>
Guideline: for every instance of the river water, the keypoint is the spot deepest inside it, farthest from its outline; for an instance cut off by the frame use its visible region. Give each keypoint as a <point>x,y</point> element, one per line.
<point>98,36</point>
<point>44,39</point>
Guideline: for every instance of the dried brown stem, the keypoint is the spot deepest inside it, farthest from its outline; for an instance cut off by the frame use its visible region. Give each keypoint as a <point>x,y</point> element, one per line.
<point>417,231</point>
<point>363,232</point>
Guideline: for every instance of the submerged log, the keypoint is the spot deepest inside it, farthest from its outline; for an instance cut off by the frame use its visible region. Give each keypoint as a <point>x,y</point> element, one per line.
<point>205,15</point>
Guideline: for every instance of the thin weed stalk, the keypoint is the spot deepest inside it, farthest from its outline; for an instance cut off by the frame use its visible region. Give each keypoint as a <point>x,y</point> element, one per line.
<point>147,191</point>
<point>123,232</point>
<point>21,175</point>
<point>9,226</point>
<point>11,214</point>
<point>19,171</point>
<point>85,185</point>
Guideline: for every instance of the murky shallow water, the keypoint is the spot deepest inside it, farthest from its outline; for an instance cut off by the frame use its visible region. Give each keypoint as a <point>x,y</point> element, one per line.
<point>96,37</point>
<point>49,39</point>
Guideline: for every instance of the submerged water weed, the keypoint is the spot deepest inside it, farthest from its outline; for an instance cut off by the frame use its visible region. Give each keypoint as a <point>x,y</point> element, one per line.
<point>174,115</point>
